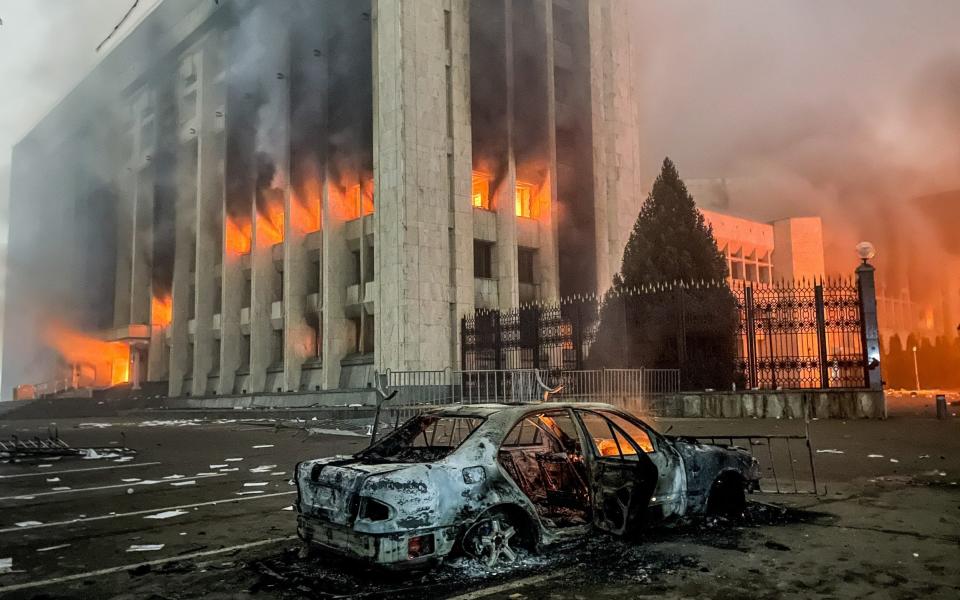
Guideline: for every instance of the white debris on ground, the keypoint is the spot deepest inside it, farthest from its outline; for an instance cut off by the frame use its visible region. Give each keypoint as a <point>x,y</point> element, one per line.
<point>874,456</point>
<point>95,425</point>
<point>183,483</point>
<point>91,454</point>
<point>171,423</point>
<point>263,469</point>
<point>53,480</point>
<point>249,493</point>
<point>130,480</point>
<point>255,484</point>
<point>262,446</point>
<point>167,514</point>
<point>51,548</point>
<point>279,473</point>
<point>321,431</point>
<point>232,460</point>
<point>28,523</point>
<point>829,451</point>
<point>124,459</point>
<point>145,547</point>
<point>893,460</point>
<point>174,477</point>
<point>61,488</point>
<point>217,466</point>
<point>287,508</point>
<point>230,470</point>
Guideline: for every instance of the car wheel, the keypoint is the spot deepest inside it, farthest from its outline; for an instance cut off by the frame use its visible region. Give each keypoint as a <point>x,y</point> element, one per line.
<point>490,540</point>
<point>727,498</point>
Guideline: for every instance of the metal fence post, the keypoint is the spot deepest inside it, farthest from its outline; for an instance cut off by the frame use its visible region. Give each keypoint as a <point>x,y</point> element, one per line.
<point>497,341</point>
<point>463,343</point>
<point>822,336</point>
<point>751,331</point>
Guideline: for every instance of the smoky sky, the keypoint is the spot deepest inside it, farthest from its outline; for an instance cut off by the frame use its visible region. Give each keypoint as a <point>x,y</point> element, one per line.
<point>848,110</point>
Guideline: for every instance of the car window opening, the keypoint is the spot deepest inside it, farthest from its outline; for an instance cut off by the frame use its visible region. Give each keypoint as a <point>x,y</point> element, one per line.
<point>424,438</point>
<point>543,455</point>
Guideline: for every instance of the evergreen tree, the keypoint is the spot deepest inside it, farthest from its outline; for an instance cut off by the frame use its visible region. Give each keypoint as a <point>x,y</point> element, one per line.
<point>689,326</point>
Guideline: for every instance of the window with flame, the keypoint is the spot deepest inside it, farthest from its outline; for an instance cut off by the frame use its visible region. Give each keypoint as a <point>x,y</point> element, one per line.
<point>480,191</point>
<point>524,200</point>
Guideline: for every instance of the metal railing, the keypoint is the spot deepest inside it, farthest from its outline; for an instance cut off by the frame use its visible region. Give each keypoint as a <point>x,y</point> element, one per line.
<point>615,385</point>
<point>782,470</point>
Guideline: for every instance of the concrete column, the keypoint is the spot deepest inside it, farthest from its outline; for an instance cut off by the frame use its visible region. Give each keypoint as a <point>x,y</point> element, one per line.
<point>504,198</point>
<point>231,334</point>
<point>208,214</point>
<point>616,140</point>
<point>336,261</point>
<point>124,261</point>
<point>297,335</point>
<point>413,174</point>
<point>183,264</point>
<point>273,142</point>
<point>142,250</point>
<point>871,331</point>
<point>548,268</point>
<point>460,165</point>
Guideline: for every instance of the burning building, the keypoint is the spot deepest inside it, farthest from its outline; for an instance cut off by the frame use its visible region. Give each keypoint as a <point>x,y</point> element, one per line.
<point>249,197</point>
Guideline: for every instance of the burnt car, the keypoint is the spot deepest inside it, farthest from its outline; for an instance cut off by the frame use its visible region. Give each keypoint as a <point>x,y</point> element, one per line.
<point>487,479</point>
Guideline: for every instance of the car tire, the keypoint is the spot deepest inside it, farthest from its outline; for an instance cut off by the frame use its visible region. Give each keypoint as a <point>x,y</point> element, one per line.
<point>727,498</point>
<point>492,539</point>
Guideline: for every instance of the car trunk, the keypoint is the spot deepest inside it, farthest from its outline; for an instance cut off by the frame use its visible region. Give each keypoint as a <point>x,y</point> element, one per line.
<point>333,494</point>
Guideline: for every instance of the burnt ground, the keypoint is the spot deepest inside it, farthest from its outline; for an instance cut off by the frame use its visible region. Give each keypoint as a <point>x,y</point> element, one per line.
<point>883,529</point>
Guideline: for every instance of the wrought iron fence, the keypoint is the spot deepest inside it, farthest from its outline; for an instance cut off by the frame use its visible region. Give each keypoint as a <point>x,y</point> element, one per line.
<point>790,335</point>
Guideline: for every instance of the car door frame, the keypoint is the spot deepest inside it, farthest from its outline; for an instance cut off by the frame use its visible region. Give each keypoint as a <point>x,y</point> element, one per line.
<point>611,477</point>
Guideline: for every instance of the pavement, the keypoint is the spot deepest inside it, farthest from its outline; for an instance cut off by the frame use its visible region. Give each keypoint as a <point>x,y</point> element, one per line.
<point>203,510</point>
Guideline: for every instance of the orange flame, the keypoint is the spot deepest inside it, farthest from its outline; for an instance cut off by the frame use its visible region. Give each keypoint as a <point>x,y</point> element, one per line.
<point>161,310</point>
<point>305,208</point>
<point>110,361</point>
<point>237,237</point>
<point>270,221</point>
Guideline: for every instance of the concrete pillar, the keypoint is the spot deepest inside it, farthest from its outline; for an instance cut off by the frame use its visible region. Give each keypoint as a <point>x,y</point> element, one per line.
<point>209,212</point>
<point>548,269</point>
<point>273,144</point>
<point>871,332</point>
<point>231,335</point>
<point>616,137</point>
<point>297,336</point>
<point>183,265</point>
<point>416,168</point>
<point>336,261</point>
<point>460,165</point>
<point>124,262</point>
<point>504,198</point>
<point>142,250</point>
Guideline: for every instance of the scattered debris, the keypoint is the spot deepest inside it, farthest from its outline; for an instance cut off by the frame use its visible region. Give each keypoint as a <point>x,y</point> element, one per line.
<point>183,483</point>
<point>874,456</point>
<point>249,493</point>
<point>829,451</point>
<point>893,460</point>
<point>174,477</point>
<point>263,469</point>
<point>167,514</point>
<point>145,547</point>
<point>53,480</point>
<point>218,466</point>
<point>61,489</point>
<point>255,484</point>
<point>232,459</point>
<point>28,523</point>
<point>130,480</point>
<point>262,446</point>
<point>52,548</point>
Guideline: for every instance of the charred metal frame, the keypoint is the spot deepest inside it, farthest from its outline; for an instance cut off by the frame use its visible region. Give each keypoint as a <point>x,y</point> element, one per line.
<point>38,448</point>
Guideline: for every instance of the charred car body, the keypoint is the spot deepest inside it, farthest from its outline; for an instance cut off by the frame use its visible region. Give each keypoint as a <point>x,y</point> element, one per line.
<point>485,479</point>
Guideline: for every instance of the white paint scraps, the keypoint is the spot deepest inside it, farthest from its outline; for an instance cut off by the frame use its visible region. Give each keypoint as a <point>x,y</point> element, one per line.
<point>287,508</point>
<point>232,459</point>
<point>893,460</point>
<point>263,469</point>
<point>255,484</point>
<point>230,470</point>
<point>53,480</point>
<point>51,548</point>
<point>167,514</point>
<point>28,523</point>
<point>257,447</point>
<point>44,466</point>
<point>218,466</point>
<point>829,451</point>
<point>874,456</point>
<point>131,480</point>
<point>204,474</point>
<point>279,473</point>
<point>145,547</point>
<point>174,477</point>
<point>183,483</point>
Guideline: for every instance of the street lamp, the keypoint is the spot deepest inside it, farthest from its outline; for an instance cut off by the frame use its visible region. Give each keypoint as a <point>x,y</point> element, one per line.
<point>916,368</point>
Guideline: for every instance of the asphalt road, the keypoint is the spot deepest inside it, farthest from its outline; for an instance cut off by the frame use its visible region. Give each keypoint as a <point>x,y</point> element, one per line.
<point>886,523</point>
